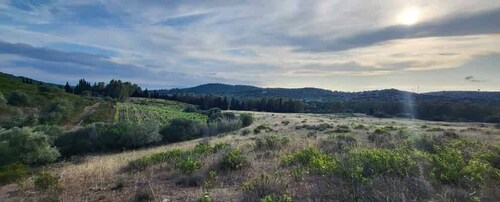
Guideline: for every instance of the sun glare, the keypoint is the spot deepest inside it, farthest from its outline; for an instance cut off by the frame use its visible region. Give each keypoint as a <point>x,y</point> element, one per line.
<point>409,16</point>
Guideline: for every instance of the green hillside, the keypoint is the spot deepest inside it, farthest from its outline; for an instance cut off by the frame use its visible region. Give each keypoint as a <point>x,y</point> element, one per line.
<point>30,102</point>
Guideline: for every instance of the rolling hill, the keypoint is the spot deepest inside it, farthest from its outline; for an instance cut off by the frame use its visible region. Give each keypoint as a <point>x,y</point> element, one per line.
<point>317,94</point>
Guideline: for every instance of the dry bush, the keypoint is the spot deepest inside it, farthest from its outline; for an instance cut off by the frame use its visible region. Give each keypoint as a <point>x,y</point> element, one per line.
<point>264,185</point>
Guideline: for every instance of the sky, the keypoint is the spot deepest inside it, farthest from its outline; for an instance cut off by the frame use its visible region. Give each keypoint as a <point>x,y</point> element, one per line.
<point>409,45</point>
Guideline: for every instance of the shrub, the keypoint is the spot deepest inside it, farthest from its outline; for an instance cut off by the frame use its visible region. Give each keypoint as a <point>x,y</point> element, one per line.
<point>26,146</point>
<point>57,111</point>
<point>229,115</point>
<point>18,98</point>
<point>246,119</point>
<point>100,137</point>
<point>276,198</point>
<point>285,123</point>
<point>233,160</point>
<point>363,164</point>
<point>187,165</point>
<point>45,181</point>
<point>245,132</point>
<point>143,195</point>
<point>223,126</point>
<point>312,159</point>
<point>184,160</point>
<point>320,127</point>
<point>12,172</point>
<point>50,130</point>
<point>342,129</point>
<point>206,197</point>
<point>271,142</point>
<point>450,166</point>
<point>211,180</point>
<point>3,101</point>
<point>260,128</point>
<point>153,159</point>
<point>381,138</point>
<point>180,129</point>
<point>265,187</point>
<point>360,127</point>
<point>190,109</point>
<point>338,144</point>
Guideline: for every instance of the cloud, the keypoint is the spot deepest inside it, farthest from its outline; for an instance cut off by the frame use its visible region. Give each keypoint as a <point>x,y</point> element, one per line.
<point>473,80</point>
<point>91,66</point>
<point>289,43</point>
<point>481,23</point>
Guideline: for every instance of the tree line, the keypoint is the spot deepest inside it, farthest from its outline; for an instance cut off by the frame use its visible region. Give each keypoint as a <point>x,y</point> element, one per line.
<point>209,101</point>
<point>115,89</point>
<point>419,109</point>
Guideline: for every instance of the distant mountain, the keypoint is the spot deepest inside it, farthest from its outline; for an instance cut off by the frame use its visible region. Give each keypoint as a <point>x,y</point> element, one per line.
<point>317,94</point>
<point>216,88</point>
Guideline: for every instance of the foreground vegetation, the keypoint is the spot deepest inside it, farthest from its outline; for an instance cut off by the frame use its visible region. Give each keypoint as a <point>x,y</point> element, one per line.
<point>290,158</point>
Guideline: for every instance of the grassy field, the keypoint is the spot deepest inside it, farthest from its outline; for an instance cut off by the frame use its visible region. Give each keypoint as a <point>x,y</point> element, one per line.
<point>106,177</point>
<point>138,110</point>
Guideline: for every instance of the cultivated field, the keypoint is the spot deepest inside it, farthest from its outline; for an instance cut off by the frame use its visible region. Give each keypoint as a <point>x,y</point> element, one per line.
<point>138,110</point>
<point>273,170</point>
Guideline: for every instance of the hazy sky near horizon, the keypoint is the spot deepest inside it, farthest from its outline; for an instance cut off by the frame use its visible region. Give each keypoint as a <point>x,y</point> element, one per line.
<point>339,45</point>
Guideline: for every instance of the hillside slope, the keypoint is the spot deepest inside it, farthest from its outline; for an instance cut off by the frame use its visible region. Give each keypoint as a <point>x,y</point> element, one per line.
<point>36,102</point>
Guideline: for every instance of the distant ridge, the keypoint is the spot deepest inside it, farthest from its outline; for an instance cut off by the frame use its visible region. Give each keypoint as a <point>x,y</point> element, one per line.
<point>318,94</point>
<point>217,88</point>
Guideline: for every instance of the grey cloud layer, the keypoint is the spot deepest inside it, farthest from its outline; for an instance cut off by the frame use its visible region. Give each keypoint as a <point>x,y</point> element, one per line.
<point>252,42</point>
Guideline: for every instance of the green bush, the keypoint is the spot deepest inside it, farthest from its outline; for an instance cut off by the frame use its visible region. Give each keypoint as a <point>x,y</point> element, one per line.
<point>360,127</point>
<point>57,111</point>
<point>245,132</point>
<point>183,160</point>
<point>100,137</point>
<point>363,164</point>
<point>342,129</point>
<point>206,197</point>
<point>260,128</point>
<point>181,129</point>
<point>233,160</point>
<point>50,130</point>
<point>153,159</point>
<point>26,146</point>
<point>246,119</point>
<point>311,159</point>
<point>45,181</point>
<point>187,165</point>
<point>12,172</point>
<point>452,166</point>
<point>276,198</point>
<point>18,98</point>
<point>271,142</point>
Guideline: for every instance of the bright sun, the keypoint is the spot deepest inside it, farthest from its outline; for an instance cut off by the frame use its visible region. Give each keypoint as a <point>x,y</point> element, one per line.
<point>409,16</point>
